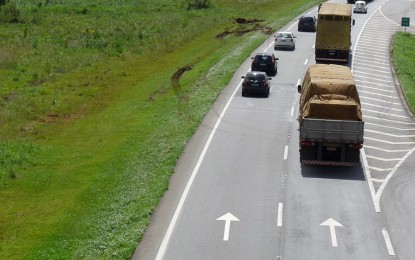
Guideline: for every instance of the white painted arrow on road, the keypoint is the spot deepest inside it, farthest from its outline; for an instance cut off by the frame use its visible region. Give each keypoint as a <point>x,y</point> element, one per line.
<point>228,217</point>
<point>332,224</point>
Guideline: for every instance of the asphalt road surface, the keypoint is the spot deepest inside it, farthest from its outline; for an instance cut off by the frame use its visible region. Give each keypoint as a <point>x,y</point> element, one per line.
<point>239,192</point>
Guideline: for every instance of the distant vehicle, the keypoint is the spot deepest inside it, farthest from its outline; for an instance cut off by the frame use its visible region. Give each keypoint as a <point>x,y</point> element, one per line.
<point>307,23</point>
<point>284,40</point>
<point>333,37</point>
<point>360,7</point>
<point>351,1</point>
<point>255,81</point>
<point>265,62</point>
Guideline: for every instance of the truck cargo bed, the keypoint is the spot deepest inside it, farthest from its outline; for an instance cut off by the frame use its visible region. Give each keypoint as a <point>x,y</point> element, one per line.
<point>332,131</point>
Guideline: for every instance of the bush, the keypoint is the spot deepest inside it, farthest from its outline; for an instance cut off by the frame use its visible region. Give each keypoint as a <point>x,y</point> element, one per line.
<point>9,13</point>
<point>199,4</point>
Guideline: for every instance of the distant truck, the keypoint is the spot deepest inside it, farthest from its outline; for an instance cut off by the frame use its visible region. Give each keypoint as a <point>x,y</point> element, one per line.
<point>330,117</point>
<point>333,33</point>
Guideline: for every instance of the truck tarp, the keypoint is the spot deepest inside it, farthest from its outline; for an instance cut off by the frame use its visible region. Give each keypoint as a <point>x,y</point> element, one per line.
<point>335,9</point>
<point>329,92</point>
<point>334,33</point>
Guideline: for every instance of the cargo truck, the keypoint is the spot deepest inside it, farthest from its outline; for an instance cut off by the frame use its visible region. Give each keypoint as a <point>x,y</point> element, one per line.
<point>330,118</point>
<point>333,33</point>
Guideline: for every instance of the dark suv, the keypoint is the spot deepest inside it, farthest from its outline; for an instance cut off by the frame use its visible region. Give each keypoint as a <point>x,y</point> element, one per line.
<point>307,23</point>
<point>265,62</point>
<point>255,81</point>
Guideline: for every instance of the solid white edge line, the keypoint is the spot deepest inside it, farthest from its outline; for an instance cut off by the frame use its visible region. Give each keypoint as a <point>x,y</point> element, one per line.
<point>360,34</point>
<point>166,238</point>
<point>286,152</point>
<point>369,180</point>
<point>387,179</point>
<point>388,242</point>
<point>280,208</point>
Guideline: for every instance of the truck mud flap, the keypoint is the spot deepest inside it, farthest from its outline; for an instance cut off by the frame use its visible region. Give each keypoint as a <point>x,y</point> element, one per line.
<point>329,163</point>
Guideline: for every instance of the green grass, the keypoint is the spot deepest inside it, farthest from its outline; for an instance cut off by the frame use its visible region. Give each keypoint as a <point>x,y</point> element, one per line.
<point>90,126</point>
<point>403,56</point>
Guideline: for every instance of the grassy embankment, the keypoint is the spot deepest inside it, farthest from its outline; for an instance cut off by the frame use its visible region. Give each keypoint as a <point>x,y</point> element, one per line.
<point>403,57</point>
<point>90,123</point>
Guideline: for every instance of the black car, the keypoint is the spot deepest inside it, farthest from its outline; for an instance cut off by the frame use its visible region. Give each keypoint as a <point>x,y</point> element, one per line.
<point>307,23</point>
<point>265,62</point>
<point>255,81</point>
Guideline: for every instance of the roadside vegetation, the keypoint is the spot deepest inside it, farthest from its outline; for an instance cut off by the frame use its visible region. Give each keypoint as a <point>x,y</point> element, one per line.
<point>403,57</point>
<point>97,101</point>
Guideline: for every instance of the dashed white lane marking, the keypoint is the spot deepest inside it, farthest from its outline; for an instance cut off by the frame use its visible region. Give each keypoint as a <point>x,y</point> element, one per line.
<point>280,210</point>
<point>388,242</point>
<point>286,152</point>
<point>306,61</point>
<point>292,111</point>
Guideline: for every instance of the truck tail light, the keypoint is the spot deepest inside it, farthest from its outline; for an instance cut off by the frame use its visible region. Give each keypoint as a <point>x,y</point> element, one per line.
<point>307,143</point>
<point>356,146</point>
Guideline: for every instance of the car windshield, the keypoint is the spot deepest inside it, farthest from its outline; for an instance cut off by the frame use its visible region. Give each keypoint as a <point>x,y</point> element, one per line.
<point>259,77</point>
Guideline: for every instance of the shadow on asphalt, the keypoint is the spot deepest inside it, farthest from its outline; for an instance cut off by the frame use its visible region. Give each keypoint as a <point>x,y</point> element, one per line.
<point>332,172</point>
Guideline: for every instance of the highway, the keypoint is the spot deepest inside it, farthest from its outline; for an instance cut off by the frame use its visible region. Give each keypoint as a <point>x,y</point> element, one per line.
<point>239,191</point>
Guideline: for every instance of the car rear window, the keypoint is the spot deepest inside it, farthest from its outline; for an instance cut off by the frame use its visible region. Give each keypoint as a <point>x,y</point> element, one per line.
<point>263,58</point>
<point>307,19</point>
<point>259,77</point>
<point>283,35</point>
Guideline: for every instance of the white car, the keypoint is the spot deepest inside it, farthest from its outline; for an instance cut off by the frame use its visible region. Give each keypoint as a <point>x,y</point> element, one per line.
<point>284,40</point>
<point>360,7</point>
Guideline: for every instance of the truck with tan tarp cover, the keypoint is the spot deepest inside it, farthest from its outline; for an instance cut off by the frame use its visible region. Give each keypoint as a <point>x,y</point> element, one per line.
<point>330,117</point>
<point>333,36</point>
